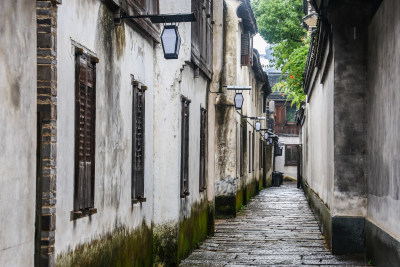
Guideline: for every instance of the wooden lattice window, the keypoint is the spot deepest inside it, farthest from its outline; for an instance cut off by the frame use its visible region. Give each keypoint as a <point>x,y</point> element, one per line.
<point>291,155</point>
<point>246,50</point>
<point>260,155</point>
<point>185,148</point>
<point>138,144</point>
<point>85,122</point>
<point>203,147</point>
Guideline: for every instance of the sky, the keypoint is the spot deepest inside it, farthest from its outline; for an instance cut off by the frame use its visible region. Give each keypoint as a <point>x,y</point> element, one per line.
<point>260,44</point>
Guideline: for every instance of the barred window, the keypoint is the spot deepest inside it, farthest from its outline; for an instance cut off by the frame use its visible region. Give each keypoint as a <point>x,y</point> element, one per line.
<point>138,144</point>
<point>85,122</point>
<point>203,147</point>
<point>185,148</point>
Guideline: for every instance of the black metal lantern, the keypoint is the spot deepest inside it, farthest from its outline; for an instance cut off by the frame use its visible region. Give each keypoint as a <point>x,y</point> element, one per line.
<point>171,41</point>
<point>238,101</point>
<point>266,136</point>
<point>258,126</point>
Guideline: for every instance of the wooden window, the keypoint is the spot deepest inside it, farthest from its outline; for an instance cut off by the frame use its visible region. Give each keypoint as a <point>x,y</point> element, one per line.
<point>203,147</point>
<point>138,144</point>
<point>291,155</point>
<point>260,155</point>
<point>85,122</point>
<point>185,148</point>
<point>246,50</point>
<point>249,167</point>
<point>242,136</point>
<point>150,6</point>
<point>252,152</point>
<point>290,114</point>
<point>202,29</point>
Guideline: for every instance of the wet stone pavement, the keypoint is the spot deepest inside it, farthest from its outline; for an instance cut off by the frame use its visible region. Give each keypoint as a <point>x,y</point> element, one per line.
<point>277,228</point>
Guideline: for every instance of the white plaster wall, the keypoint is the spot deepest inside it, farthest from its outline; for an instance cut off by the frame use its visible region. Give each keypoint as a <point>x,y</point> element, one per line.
<point>280,161</point>
<point>17,132</point>
<point>318,133</point>
<point>383,145</point>
<point>89,23</point>
<point>173,79</point>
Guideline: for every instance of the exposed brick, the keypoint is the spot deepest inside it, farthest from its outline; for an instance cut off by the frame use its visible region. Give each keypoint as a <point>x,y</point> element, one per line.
<point>45,12</point>
<point>49,222</point>
<point>43,4</point>
<point>44,21</point>
<point>44,72</point>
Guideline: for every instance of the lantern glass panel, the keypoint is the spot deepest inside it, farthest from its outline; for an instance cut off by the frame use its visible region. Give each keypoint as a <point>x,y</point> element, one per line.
<point>238,101</point>
<point>258,126</point>
<point>171,41</point>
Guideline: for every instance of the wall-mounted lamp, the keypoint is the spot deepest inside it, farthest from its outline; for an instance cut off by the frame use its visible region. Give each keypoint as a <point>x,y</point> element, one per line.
<point>238,101</point>
<point>171,41</point>
<point>266,136</point>
<point>258,126</point>
<point>170,38</point>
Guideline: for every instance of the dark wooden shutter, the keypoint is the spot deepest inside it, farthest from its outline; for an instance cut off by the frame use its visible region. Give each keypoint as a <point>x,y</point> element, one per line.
<point>85,112</point>
<point>185,148</point>
<point>138,144</point>
<point>203,145</point>
<point>249,163</point>
<point>242,136</point>
<point>252,151</point>
<point>245,49</point>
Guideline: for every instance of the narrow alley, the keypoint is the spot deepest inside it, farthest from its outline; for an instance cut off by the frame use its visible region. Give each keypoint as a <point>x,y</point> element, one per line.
<point>277,228</point>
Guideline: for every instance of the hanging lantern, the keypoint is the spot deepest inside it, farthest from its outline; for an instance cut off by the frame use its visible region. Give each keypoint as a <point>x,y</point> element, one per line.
<point>171,41</point>
<point>266,136</point>
<point>258,126</point>
<point>238,101</point>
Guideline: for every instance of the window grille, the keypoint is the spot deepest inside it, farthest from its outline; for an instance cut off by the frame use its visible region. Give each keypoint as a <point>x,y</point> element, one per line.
<point>185,148</point>
<point>203,147</point>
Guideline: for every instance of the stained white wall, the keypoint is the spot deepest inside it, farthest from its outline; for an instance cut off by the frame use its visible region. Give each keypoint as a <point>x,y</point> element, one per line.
<point>317,136</point>
<point>173,79</point>
<point>17,132</point>
<point>383,113</point>
<point>280,160</point>
<point>122,52</point>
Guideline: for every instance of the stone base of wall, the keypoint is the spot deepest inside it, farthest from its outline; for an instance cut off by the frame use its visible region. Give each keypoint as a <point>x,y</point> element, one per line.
<point>381,248</point>
<point>345,235</point>
<point>228,206</point>
<point>120,248</point>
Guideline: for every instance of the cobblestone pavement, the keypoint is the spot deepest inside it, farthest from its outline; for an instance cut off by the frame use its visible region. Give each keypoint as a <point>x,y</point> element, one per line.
<point>277,228</point>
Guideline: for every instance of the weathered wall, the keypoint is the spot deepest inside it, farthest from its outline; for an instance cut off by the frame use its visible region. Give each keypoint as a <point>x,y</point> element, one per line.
<point>280,161</point>
<point>349,39</point>
<point>383,146</point>
<point>180,223</point>
<point>318,146</point>
<point>17,132</point>
<point>122,52</point>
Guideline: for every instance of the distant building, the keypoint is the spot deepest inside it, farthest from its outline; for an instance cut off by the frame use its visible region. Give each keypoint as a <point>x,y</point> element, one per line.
<point>287,130</point>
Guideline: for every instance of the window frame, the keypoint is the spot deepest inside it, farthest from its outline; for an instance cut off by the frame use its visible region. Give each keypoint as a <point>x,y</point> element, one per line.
<point>203,149</point>
<point>185,115</point>
<point>138,142</point>
<point>84,141</point>
<point>293,155</point>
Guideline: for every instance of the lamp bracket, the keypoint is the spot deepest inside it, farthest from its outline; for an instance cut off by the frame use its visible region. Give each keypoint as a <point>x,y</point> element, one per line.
<point>162,18</point>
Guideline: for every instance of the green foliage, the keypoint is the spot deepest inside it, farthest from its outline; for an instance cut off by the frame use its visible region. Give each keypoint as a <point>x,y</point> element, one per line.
<point>280,24</point>
<point>291,84</point>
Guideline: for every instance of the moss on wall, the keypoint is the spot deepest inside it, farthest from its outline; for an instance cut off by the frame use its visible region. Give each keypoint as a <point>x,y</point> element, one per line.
<point>165,245</point>
<point>239,199</point>
<point>193,230</point>
<point>120,248</point>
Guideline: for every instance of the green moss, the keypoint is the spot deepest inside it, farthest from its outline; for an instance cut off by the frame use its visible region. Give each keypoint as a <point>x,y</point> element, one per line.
<point>165,245</point>
<point>211,219</point>
<point>193,230</point>
<point>120,248</point>
<point>239,199</point>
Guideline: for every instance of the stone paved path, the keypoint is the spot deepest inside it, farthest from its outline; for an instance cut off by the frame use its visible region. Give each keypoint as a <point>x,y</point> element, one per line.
<point>277,228</point>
